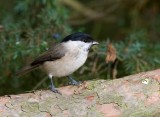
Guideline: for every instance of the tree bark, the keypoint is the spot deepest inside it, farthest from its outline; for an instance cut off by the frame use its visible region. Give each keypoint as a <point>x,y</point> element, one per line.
<point>132,96</point>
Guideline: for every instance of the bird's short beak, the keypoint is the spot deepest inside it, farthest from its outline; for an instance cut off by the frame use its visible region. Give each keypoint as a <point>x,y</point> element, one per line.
<point>95,43</point>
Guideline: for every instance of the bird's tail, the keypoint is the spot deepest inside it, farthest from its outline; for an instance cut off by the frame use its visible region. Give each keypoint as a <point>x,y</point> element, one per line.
<point>26,69</point>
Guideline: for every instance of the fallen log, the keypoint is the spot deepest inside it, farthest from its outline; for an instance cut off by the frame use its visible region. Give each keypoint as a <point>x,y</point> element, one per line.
<point>132,96</point>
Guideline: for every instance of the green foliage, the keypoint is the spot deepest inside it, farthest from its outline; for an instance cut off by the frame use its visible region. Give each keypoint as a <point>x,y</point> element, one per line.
<point>29,28</point>
<point>27,31</point>
<point>134,55</point>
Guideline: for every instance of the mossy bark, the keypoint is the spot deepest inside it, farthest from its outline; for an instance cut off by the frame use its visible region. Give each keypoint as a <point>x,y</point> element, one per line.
<point>132,96</point>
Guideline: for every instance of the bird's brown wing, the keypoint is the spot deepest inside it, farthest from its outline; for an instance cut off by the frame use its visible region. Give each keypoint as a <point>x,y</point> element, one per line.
<point>54,53</point>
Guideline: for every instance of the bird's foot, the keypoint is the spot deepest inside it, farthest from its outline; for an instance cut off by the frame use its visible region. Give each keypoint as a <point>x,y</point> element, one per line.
<point>53,89</point>
<point>75,83</point>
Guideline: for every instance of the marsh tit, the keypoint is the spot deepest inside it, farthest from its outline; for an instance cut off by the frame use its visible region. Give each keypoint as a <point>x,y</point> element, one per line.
<point>64,58</point>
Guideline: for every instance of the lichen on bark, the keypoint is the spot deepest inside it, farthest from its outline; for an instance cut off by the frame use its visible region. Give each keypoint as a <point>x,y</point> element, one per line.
<point>132,96</point>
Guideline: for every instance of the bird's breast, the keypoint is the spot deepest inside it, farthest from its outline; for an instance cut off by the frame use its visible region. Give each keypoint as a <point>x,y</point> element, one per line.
<point>66,65</point>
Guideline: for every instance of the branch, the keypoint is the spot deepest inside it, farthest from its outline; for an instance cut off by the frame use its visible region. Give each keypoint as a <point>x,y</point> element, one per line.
<point>81,8</point>
<point>132,96</point>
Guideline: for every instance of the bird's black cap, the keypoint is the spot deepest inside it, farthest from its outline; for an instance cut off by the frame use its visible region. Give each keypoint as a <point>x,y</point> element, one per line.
<point>80,36</point>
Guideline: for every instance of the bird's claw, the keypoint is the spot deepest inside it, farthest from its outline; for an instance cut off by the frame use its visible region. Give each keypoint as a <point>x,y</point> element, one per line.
<point>75,83</point>
<point>54,90</point>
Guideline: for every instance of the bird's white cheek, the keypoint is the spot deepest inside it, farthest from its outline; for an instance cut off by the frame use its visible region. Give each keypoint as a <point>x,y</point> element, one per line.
<point>87,47</point>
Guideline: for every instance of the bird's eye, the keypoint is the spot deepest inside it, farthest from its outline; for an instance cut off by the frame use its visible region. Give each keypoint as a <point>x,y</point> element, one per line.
<point>85,40</point>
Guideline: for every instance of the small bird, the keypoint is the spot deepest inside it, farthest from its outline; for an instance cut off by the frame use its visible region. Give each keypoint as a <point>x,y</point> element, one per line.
<point>63,58</point>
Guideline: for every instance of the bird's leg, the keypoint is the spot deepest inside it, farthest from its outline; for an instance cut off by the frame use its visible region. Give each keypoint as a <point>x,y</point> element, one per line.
<point>52,85</point>
<point>72,81</point>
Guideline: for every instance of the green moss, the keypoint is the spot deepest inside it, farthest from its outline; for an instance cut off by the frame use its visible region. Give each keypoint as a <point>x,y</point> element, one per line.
<point>91,85</point>
<point>46,104</point>
<point>111,99</point>
<point>93,112</point>
<point>30,107</point>
<point>142,112</point>
<point>94,83</point>
<point>33,114</point>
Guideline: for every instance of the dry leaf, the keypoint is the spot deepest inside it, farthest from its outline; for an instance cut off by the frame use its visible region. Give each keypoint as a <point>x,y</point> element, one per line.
<point>111,53</point>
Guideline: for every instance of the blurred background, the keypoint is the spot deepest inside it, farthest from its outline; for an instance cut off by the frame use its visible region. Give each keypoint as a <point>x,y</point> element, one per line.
<point>128,32</point>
